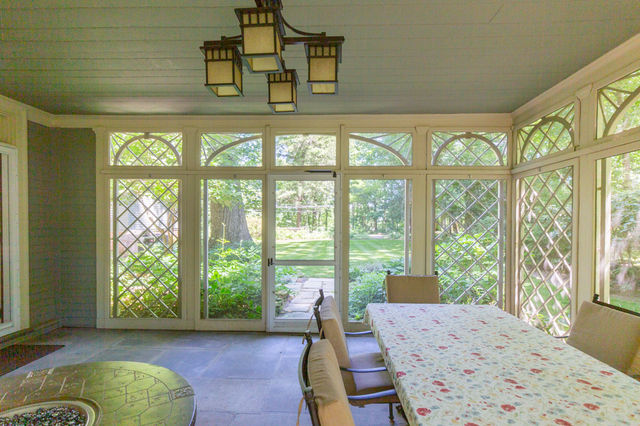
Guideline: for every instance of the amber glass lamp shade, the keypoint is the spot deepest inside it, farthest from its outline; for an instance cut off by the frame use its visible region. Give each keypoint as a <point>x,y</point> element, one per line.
<point>283,91</point>
<point>224,70</point>
<point>323,62</point>
<point>261,39</point>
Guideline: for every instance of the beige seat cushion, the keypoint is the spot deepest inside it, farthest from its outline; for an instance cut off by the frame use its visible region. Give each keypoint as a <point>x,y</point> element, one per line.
<point>610,336</point>
<point>334,333</point>
<point>326,381</point>
<point>412,289</point>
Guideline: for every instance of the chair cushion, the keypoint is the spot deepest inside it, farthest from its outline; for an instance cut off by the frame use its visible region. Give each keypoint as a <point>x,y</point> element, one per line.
<point>333,330</point>
<point>326,381</point>
<point>367,383</point>
<point>610,336</point>
<point>367,360</point>
<point>412,289</point>
<point>634,369</point>
<point>334,333</point>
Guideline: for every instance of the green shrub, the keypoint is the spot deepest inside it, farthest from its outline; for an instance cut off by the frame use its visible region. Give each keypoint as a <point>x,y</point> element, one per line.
<point>367,288</point>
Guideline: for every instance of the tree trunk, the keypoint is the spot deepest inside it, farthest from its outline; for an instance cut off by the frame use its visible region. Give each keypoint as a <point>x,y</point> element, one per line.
<point>228,223</point>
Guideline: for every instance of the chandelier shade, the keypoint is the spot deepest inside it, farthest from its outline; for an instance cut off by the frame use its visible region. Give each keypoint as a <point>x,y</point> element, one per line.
<point>224,70</point>
<point>323,62</point>
<point>283,91</point>
<point>262,43</point>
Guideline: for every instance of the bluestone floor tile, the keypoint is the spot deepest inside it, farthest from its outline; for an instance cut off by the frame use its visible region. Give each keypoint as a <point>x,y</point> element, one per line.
<point>239,378</point>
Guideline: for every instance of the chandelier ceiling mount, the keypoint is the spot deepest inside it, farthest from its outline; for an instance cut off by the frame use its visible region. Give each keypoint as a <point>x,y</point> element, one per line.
<point>262,41</point>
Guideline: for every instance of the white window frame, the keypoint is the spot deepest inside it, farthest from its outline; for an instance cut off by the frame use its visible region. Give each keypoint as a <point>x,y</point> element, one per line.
<point>11,241</point>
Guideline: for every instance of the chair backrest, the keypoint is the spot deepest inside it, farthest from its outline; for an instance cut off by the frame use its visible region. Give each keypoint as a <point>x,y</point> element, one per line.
<point>316,310</point>
<point>412,289</point>
<point>607,334</point>
<point>333,331</point>
<point>321,384</point>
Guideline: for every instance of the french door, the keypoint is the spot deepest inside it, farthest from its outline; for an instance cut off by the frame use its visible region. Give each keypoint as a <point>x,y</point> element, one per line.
<point>303,248</point>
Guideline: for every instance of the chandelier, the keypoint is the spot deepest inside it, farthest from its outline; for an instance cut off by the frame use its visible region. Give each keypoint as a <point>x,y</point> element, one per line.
<point>263,40</point>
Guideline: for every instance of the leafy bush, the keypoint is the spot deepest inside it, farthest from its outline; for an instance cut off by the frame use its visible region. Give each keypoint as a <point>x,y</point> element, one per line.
<point>139,289</point>
<point>366,285</point>
<point>367,288</point>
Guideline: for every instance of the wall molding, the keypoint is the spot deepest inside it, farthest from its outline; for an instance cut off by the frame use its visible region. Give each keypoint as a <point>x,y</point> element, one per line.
<point>607,64</point>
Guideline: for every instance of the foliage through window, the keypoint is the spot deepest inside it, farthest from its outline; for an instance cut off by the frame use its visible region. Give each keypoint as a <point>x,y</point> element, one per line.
<point>380,149</point>
<point>145,149</point>
<point>376,239</point>
<point>231,149</point>
<point>619,105</point>
<point>145,248</point>
<point>232,243</point>
<point>306,150</point>
<point>619,199</point>
<point>547,135</point>
<point>469,240</point>
<point>469,148</point>
<point>545,213</point>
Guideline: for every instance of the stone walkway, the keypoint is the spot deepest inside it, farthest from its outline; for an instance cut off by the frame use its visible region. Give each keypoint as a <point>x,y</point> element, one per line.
<point>305,294</point>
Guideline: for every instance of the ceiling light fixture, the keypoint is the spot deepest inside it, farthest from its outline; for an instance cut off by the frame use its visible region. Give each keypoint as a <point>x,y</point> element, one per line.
<point>263,41</point>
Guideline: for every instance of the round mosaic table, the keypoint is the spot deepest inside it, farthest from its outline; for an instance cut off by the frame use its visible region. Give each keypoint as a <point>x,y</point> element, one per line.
<point>127,393</point>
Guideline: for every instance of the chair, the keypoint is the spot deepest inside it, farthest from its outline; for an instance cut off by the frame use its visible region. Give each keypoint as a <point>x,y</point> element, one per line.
<point>412,289</point>
<point>377,377</point>
<point>322,387</point>
<point>608,333</point>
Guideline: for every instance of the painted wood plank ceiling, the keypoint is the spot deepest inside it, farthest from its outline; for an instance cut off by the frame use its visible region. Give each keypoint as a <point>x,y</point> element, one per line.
<point>400,57</point>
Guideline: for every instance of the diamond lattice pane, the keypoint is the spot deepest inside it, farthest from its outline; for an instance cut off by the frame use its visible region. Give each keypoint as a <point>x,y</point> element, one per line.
<point>231,149</point>
<point>545,208</point>
<point>619,105</point>
<point>145,149</point>
<point>144,250</point>
<point>547,135</point>
<point>469,148</point>
<point>380,149</point>
<point>469,240</point>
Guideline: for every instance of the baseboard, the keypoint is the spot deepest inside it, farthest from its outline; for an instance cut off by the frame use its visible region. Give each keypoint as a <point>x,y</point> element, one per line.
<point>29,333</point>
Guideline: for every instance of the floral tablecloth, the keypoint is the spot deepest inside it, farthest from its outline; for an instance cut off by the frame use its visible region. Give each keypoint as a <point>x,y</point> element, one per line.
<point>478,365</point>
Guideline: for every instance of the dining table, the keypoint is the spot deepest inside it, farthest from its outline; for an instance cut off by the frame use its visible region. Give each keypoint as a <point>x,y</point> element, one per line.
<point>477,365</point>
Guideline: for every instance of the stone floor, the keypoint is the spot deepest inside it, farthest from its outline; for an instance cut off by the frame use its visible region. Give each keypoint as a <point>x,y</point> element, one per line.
<point>239,378</point>
<point>305,294</point>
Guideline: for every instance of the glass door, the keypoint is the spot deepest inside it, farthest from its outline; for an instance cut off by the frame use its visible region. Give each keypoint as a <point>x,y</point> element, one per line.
<point>304,245</point>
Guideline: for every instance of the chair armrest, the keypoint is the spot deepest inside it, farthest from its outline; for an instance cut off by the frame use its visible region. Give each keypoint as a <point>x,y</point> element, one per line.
<point>357,333</point>
<point>372,395</point>
<point>364,370</point>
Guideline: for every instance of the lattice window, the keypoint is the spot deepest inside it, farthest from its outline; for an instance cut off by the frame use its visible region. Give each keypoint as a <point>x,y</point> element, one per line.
<point>145,250</point>
<point>145,149</point>
<point>545,213</point>
<point>549,134</point>
<point>380,149</point>
<point>469,240</point>
<point>619,105</point>
<point>231,149</point>
<point>469,148</point>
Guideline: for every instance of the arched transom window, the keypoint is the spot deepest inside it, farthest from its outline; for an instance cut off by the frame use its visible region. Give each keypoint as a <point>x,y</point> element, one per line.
<point>145,149</point>
<point>619,105</point>
<point>231,150</point>
<point>547,135</point>
<point>469,148</point>
<point>380,149</point>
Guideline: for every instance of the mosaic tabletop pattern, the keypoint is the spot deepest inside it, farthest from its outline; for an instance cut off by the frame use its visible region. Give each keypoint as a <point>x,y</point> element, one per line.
<point>477,365</point>
<point>128,393</point>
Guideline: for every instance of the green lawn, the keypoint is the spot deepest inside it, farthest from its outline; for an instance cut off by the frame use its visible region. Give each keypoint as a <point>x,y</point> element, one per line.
<point>361,253</point>
<point>627,304</point>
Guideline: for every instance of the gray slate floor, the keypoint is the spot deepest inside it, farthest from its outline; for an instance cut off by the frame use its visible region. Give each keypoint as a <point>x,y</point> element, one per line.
<point>239,378</point>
